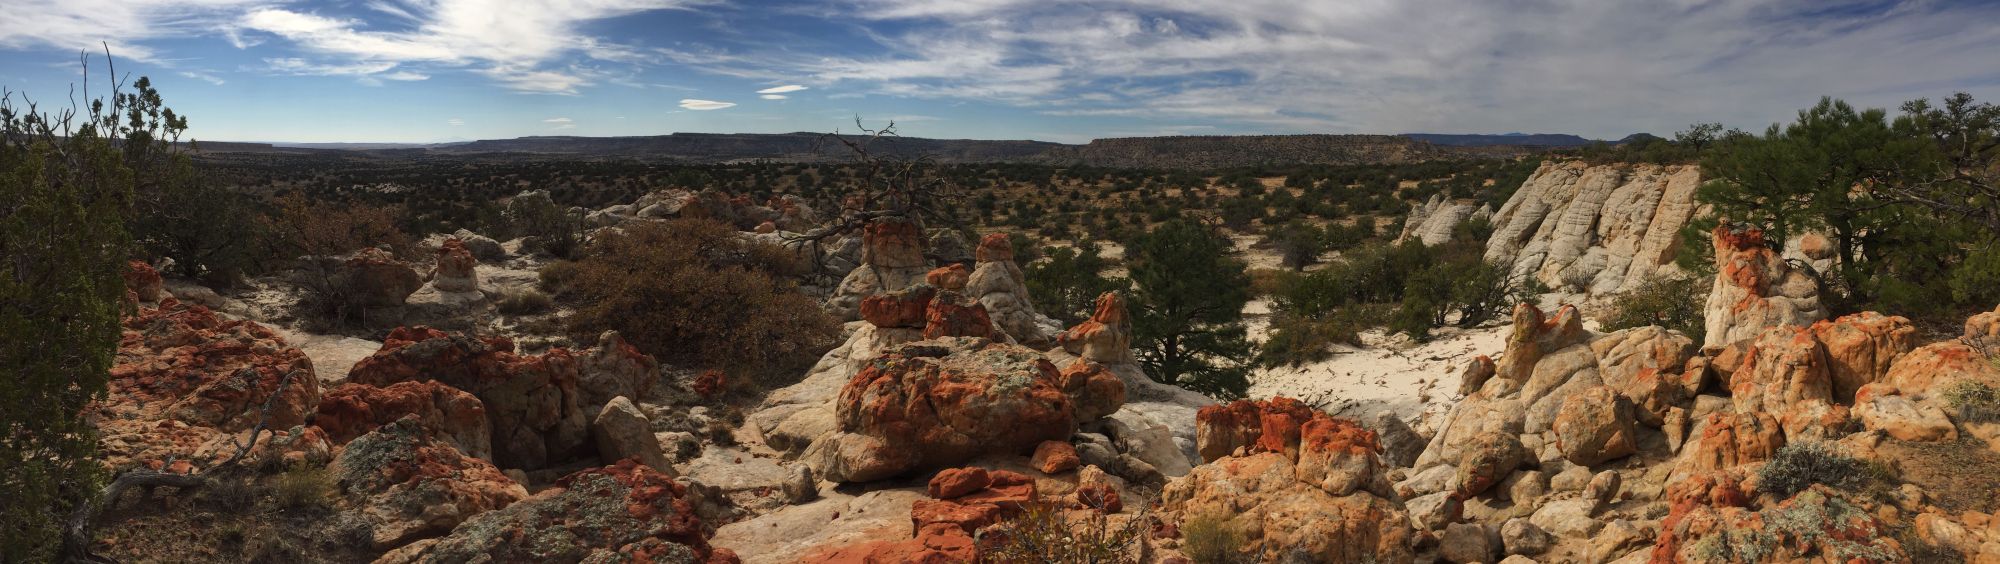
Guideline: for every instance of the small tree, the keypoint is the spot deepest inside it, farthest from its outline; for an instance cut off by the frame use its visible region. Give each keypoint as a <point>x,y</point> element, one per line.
<point>1066,283</point>
<point>1299,244</point>
<point>1189,294</point>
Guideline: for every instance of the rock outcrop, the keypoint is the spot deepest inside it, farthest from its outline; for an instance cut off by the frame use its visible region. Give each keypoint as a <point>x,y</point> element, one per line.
<point>408,485</point>
<point>998,284</point>
<point>892,258</point>
<point>1296,482</point>
<point>939,402</point>
<point>188,382</point>
<point>1432,222</point>
<point>455,268</point>
<point>621,513</point>
<point>1596,229</point>
<point>375,278</point>
<point>1755,289</point>
<point>451,416</point>
<point>535,404</point>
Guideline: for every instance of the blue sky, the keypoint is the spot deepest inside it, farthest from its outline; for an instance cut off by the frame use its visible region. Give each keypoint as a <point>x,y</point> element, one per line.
<point>437,70</point>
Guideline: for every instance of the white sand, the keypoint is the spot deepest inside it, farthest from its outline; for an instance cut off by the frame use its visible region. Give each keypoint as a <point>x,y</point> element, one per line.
<point>1412,380</point>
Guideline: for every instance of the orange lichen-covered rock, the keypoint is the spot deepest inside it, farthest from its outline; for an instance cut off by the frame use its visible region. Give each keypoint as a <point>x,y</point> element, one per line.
<point>994,247</point>
<point>893,243</point>
<point>949,277</point>
<point>942,530</point>
<point>1106,337</point>
<point>407,484</point>
<point>1860,348</point>
<point>185,382</point>
<point>1053,457</point>
<point>900,308</point>
<point>1596,425</point>
<point>940,402</point>
<point>955,482</point>
<point>1285,517</point>
<point>1932,369</point>
<point>1755,289</point>
<point>144,281</point>
<point>625,512</point>
<point>453,416</point>
<point>455,268</point>
<point>532,401</point>
<point>710,383</point>
<point>1729,440</point>
<point>1094,391</point>
<point>1787,374</point>
<point>1257,425</point>
<point>952,315</point>
<point>1816,525</point>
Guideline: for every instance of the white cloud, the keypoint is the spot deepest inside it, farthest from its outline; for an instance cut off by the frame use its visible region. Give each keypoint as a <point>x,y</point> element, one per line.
<point>204,76</point>
<point>302,67</point>
<point>73,25</point>
<point>560,123</point>
<point>782,89</point>
<point>693,104</point>
<point>511,41</point>
<point>772,96</point>
<point>454,122</point>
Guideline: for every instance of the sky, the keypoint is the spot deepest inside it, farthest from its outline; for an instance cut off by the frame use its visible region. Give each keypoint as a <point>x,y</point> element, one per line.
<point>418,71</point>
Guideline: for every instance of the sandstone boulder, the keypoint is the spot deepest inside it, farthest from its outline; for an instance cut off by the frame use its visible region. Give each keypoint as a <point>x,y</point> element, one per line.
<point>1596,426</point>
<point>1789,376</point>
<point>449,415</point>
<point>1755,289</point>
<point>1860,348</point>
<point>621,431</point>
<point>999,285</point>
<point>144,281</point>
<point>408,485</point>
<point>375,278</point>
<point>1283,516</point>
<point>892,258</point>
<point>531,401</point>
<point>455,268</point>
<point>1881,408</point>
<point>620,513</point>
<point>940,402</point>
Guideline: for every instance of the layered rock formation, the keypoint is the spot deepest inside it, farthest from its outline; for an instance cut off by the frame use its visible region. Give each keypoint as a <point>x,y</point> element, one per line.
<point>1596,229</point>
<point>1432,222</point>
<point>892,258</point>
<point>999,285</point>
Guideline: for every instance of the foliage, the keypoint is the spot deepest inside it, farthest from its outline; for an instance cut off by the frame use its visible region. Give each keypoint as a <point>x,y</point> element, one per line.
<point>303,486</point>
<point>555,229</point>
<point>1188,296</point>
<point>1066,282</point>
<point>1799,465</point>
<point>1297,340</point>
<point>1672,302</point>
<point>210,232</point>
<point>1043,535</point>
<point>66,185</point>
<point>694,293</point>
<point>1976,402</point>
<point>1209,539</point>
<point>310,234</point>
<point>1299,244</point>
<point>1977,280</point>
<point>527,301</point>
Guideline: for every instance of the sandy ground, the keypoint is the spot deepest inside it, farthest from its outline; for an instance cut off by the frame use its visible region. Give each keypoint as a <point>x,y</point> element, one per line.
<point>332,355</point>
<point>1415,381</point>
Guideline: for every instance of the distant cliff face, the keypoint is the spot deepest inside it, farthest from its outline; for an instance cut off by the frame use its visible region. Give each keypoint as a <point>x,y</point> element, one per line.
<point>1217,151</point>
<point>1599,229</point>
<point>791,147</point>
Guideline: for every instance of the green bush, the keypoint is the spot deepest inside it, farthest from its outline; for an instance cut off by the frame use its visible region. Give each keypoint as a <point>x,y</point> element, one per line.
<point>1977,280</point>
<point>1672,302</point>
<point>1799,465</point>
<point>1976,402</point>
<point>1209,539</point>
<point>1065,283</point>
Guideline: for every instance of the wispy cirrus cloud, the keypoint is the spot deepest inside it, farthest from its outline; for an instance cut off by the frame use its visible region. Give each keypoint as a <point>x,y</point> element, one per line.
<point>560,123</point>
<point>512,42</point>
<point>705,105</point>
<point>124,25</point>
<point>786,89</point>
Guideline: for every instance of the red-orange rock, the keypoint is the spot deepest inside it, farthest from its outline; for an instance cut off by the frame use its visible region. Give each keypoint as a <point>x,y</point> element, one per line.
<point>893,243</point>
<point>626,509</point>
<point>144,281</point>
<point>412,485</point>
<point>709,384</point>
<point>955,482</point>
<point>901,308</point>
<point>1257,425</point>
<point>940,402</point>
<point>1729,440</point>
<point>1106,337</point>
<point>532,401</point>
<point>994,247</point>
<point>952,315</point>
<point>1860,348</point>
<point>186,380</point>
<point>949,277</point>
<point>455,268</point>
<point>1054,457</point>
<point>453,416</point>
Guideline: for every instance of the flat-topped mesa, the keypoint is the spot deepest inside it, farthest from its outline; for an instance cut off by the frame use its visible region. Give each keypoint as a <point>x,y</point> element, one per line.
<point>997,282</point>
<point>892,258</point>
<point>1596,229</point>
<point>1755,289</point>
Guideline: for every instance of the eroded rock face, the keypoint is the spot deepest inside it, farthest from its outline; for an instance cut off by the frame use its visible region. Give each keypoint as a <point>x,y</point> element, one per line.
<point>532,401</point>
<point>998,284</point>
<point>892,258</point>
<point>186,381</point>
<point>1432,222</point>
<point>409,485</point>
<point>964,501</point>
<point>451,416</point>
<point>1789,376</point>
<point>1983,330</point>
<point>1608,228</point>
<point>1755,289</point>
<point>940,402</point>
<point>621,513</point>
<point>455,268</point>
<point>1596,426</point>
<point>1860,348</point>
<point>1104,338</point>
